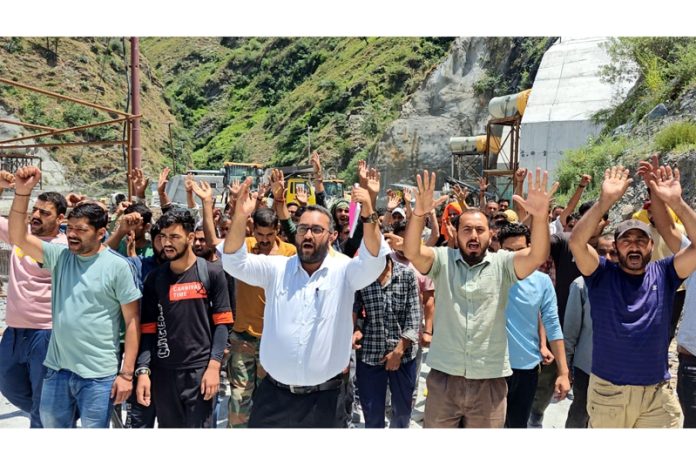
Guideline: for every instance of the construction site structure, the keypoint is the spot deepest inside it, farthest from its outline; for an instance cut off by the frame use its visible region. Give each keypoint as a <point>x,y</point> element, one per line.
<point>494,155</point>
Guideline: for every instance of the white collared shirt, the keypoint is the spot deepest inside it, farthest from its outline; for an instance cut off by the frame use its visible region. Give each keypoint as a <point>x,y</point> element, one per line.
<point>308,320</point>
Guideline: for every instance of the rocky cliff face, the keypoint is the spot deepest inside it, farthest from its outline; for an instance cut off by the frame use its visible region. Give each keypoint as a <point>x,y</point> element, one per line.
<point>447,103</point>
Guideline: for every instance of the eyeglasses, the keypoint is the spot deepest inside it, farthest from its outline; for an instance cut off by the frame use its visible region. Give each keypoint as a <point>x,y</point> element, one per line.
<point>315,228</point>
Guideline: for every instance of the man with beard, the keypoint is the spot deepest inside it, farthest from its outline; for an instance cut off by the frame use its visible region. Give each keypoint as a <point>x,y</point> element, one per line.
<point>25,341</point>
<point>94,292</point>
<point>306,341</point>
<point>184,326</point>
<point>631,308</point>
<point>468,353</point>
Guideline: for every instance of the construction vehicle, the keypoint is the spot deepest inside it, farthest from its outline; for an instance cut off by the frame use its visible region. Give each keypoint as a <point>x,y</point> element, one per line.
<point>176,189</point>
<point>234,171</point>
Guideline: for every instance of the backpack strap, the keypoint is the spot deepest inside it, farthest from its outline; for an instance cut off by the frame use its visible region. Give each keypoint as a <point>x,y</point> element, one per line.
<point>202,268</point>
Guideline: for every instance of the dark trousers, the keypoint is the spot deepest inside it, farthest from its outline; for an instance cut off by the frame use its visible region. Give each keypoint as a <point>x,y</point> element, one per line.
<point>522,385</point>
<point>22,353</point>
<point>371,381</point>
<point>677,307</point>
<point>138,415</point>
<point>178,399</point>
<point>577,413</point>
<point>544,390</point>
<point>686,389</point>
<point>276,407</point>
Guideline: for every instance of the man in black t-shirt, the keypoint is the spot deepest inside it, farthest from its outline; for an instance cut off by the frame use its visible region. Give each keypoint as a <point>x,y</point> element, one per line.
<point>184,330</point>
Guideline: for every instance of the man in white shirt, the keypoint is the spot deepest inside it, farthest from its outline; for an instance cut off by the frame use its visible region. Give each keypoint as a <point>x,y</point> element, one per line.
<point>308,317</point>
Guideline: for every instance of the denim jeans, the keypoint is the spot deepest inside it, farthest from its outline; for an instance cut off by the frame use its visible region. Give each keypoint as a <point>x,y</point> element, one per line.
<point>686,389</point>
<point>65,393</point>
<point>22,353</point>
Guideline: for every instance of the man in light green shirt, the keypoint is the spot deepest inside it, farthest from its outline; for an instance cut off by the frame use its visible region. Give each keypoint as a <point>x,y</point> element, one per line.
<point>468,353</point>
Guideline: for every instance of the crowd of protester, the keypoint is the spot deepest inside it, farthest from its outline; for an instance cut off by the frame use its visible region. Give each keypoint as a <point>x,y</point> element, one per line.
<point>306,313</point>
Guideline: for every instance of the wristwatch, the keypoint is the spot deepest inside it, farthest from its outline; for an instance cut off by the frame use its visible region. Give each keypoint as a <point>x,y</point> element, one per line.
<point>373,218</point>
<point>142,371</point>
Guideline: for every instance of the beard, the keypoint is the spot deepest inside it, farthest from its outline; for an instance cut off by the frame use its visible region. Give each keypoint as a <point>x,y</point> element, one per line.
<point>472,257</point>
<point>316,255</point>
<point>39,228</point>
<point>178,255</point>
<point>634,264</point>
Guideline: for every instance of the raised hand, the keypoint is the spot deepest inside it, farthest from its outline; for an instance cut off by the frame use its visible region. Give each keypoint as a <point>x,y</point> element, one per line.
<point>202,190</point>
<point>139,181</point>
<point>6,180</point>
<point>130,244</point>
<point>26,179</point>
<point>647,168</point>
<point>162,181</point>
<point>234,188</point>
<point>373,182</point>
<point>538,197</point>
<point>520,175</point>
<point>665,184</point>
<point>395,242</point>
<point>424,194</point>
<point>585,180</point>
<point>75,198</point>
<point>130,222</point>
<point>362,173</point>
<point>461,194</point>
<point>483,184</point>
<point>408,195</point>
<point>121,208</point>
<point>188,182</point>
<point>362,196</point>
<point>316,164</point>
<point>451,230</point>
<point>277,184</point>
<point>393,201</point>
<point>301,194</point>
<point>616,181</point>
<point>246,204</point>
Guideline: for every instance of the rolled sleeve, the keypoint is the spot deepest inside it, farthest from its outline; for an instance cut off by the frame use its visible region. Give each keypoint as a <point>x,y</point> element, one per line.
<point>256,270</point>
<point>366,268</point>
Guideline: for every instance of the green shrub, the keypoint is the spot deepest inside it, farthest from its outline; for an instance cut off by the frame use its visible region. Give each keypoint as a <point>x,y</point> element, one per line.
<point>681,133</point>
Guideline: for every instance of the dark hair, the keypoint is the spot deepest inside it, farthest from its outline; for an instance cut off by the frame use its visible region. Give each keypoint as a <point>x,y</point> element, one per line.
<point>141,208</point>
<point>265,217</point>
<point>574,216</point>
<point>56,199</point>
<point>514,230</point>
<point>155,231</point>
<point>96,216</point>
<point>499,216</point>
<point>177,216</point>
<point>323,211</point>
<point>400,226</point>
<point>585,206</point>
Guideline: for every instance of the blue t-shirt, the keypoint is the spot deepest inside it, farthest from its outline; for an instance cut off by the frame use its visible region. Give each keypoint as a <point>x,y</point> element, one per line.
<point>631,318</point>
<point>529,297</point>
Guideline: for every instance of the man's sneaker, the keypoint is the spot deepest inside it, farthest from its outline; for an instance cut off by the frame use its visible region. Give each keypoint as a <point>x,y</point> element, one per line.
<point>535,420</point>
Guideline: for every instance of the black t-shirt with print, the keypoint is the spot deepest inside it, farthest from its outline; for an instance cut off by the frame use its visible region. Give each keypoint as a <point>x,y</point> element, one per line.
<point>177,308</point>
<point>566,269</point>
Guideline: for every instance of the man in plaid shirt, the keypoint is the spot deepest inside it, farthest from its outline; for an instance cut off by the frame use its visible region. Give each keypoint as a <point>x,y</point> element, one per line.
<point>387,316</point>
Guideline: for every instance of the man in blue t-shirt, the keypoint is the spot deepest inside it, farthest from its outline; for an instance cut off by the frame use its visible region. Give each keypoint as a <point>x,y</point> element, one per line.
<point>631,309</point>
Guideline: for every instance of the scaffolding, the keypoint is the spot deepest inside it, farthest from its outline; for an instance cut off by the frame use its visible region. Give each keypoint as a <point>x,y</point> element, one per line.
<point>14,153</point>
<point>500,164</point>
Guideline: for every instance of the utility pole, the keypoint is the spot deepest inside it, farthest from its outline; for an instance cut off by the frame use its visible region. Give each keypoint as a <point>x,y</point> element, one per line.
<point>171,147</point>
<point>309,141</point>
<point>135,102</point>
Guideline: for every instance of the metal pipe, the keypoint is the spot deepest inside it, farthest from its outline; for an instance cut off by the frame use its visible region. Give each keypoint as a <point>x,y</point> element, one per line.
<point>72,129</point>
<point>135,102</point>
<point>62,97</point>
<point>27,125</point>
<point>64,144</point>
<point>129,131</point>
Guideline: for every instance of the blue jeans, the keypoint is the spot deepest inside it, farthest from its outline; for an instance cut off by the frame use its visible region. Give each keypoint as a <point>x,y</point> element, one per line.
<point>372,384</point>
<point>22,353</point>
<point>65,393</point>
